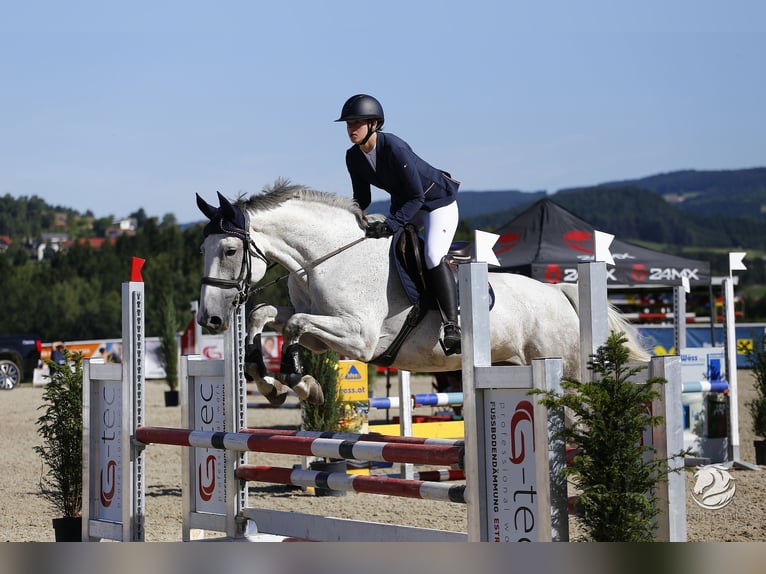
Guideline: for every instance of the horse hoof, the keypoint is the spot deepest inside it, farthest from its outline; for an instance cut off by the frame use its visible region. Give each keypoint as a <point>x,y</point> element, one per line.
<point>274,392</point>
<point>275,398</point>
<point>291,379</point>
<point>309,390</point>
<point>316,396</point>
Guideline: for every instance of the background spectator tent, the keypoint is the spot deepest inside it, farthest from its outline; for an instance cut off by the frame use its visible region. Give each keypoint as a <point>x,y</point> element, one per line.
<point>546,242</point>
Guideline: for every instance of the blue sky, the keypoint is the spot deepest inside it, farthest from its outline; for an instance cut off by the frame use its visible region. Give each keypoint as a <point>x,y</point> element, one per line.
<point>112,107</point>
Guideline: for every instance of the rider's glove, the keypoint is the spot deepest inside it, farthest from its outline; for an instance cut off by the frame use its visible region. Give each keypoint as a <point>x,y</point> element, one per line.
<point>378,229</point>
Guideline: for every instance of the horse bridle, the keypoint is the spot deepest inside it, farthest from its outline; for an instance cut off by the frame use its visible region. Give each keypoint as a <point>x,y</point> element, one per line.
<point>242,282</point>
<point>250,249</point>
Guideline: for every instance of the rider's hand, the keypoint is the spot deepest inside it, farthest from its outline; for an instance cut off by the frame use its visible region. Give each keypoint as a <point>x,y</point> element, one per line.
<point>378,229</point>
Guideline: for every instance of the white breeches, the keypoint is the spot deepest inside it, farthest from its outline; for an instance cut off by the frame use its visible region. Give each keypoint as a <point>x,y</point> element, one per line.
<point>439,228</point>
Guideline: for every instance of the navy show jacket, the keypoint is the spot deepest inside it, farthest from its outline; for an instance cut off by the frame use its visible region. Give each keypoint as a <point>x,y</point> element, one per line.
<point>412,183</point>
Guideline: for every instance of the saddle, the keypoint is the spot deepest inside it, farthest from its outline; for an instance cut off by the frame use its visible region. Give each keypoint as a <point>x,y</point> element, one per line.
<point>408,256</point>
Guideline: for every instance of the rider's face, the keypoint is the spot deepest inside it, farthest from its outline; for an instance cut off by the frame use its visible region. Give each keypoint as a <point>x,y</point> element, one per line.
<point>357,130</point>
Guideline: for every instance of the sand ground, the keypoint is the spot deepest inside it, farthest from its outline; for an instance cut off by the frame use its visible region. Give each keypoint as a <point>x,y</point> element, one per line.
<point>26,517</point>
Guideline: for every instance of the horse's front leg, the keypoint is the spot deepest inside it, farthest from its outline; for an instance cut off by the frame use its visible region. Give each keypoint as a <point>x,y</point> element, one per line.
<point>341,333</point>
<point>255,367</point>
<point>291,373</point>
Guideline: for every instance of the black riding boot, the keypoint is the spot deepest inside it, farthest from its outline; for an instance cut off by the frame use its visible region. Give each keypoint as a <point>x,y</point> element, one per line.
<point>444,287</point>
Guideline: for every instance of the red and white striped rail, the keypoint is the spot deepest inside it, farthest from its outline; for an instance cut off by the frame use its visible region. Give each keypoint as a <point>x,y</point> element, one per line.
<point>306,446</point>
<point>439,475</point>
<point>354,483</point>
<point>355,437</point>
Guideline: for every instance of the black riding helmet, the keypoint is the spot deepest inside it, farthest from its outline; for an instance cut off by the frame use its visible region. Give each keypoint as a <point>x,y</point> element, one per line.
<point>362,107</point>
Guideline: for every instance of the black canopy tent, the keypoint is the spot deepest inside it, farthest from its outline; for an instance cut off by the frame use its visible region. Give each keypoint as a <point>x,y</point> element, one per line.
<point>546,242</point>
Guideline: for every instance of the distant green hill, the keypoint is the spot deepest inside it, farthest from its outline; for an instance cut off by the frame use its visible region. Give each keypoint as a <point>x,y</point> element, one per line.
<point>685,209</point>
<point>732,193</point>
<point>735,193</point>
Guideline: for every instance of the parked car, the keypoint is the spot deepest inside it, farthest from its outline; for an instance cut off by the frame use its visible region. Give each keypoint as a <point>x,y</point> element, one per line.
<point>19,356</point>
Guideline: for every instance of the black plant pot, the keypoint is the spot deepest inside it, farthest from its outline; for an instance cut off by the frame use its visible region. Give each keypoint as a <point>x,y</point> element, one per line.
<point>328,466</point>
<point>68,529</point>
<point>760,451</point>
<point>171,398</point>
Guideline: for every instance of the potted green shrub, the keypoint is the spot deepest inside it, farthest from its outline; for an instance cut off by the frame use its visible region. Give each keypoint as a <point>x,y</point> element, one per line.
<point>60,427</point>
<point>328,416</point>
<point>169,349</point>
<point>616,480</point>
<point>756,359</point>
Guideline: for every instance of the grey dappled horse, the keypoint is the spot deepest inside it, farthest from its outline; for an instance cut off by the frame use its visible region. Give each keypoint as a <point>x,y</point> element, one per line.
<point>346,298</point>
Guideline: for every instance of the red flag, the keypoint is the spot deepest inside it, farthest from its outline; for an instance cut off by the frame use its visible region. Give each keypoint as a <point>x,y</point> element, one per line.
<point>135,270</point>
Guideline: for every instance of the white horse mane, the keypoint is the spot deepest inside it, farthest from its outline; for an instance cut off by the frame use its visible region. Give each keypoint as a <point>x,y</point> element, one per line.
<point>282,190</point>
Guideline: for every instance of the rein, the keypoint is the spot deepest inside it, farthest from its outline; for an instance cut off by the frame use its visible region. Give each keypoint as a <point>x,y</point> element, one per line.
<point>242,282</point>
<point>308,266</point>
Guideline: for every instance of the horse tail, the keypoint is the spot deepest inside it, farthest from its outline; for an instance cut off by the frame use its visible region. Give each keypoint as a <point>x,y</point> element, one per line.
<point>616,321</point>
<point>636,348</point>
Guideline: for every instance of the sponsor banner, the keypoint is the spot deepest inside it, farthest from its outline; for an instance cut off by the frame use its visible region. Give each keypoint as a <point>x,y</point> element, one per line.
<point>107,399</point>
<point>512,505</point>
<point>660,340</point>
<point>110,350</point>
<point>352,380</point>
<point>209,405</point>
<point>353,392</point>
<point>636,274</point>
<point>211,348</point>
<point>703,364</point>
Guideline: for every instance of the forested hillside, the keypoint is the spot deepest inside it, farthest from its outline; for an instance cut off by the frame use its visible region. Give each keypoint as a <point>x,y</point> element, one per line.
<point>74,294</point>
<point>733,193</point>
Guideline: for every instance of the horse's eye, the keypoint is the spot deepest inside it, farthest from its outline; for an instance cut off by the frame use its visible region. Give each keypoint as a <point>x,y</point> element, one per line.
<point>231,252</point>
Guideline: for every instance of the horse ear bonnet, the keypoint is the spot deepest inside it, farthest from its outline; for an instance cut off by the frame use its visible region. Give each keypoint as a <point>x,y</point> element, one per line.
<point>228,218</point>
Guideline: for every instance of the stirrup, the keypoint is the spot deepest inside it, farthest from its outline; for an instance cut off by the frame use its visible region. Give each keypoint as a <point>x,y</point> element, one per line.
<point>449,343</point>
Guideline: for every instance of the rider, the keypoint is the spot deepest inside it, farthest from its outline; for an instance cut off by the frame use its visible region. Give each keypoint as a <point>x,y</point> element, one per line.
<point>420,194</point>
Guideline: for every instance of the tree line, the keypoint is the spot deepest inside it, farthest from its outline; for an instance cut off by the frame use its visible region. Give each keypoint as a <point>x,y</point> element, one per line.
<point>76,294</point>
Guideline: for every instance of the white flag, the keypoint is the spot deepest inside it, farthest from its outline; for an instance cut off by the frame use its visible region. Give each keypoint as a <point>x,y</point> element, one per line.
<point>603,241</point>
<point>735,262</point>
<point>685,284</point>
<point>483,247</point>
